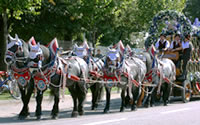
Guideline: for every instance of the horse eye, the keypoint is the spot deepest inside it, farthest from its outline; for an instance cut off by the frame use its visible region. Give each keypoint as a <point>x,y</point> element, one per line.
<point>13,48</point>
<point>38,57</point>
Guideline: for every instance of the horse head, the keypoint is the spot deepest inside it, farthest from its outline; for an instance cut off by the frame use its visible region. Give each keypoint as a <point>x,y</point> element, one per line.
<point>112,60</point>
<point>17,51</point>
<point>35,55</point>
<point>41,56</point>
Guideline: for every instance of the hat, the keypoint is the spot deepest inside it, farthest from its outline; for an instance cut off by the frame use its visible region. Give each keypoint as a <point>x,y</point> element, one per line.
<point>178,34</point>
<point>163,34</point>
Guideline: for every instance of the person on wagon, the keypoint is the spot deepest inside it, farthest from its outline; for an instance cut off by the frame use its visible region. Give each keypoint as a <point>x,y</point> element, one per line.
<point>176,46</point>
<point>186,48</point>
<point>162,44</point>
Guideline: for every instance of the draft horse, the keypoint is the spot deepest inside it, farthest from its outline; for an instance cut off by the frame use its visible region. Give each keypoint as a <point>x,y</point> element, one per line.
<point>16,57</point>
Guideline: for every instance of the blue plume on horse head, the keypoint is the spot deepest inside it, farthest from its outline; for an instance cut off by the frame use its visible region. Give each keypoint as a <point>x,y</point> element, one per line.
<point>35,49</point>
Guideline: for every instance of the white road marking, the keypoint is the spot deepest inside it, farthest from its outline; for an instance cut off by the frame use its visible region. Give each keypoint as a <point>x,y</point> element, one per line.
<point>173,111</point>
<point>105,121</point>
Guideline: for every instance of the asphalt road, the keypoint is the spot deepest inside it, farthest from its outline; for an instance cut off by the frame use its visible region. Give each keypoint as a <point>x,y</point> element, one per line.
<point>176,113</point>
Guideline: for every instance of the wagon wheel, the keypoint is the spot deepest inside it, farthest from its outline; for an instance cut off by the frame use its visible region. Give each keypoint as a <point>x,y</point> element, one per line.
<point>186,92</point>
<point>14,89</point>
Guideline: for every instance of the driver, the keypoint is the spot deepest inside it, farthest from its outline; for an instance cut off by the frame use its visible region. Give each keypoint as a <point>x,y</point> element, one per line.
<point>187,48</point>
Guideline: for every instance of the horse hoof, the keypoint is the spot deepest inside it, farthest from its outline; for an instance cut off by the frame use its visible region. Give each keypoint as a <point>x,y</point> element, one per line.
<point>55,117</point>
<point>74,114</point>
<point>106,111</point>
<point>22,117</point>
<point>146,105</point>
<point>38,117</point>
<point>165,103</point>
<point>81,113</point>
<point>93,108</point>
<point>133,108</point>
<point>121,109</point>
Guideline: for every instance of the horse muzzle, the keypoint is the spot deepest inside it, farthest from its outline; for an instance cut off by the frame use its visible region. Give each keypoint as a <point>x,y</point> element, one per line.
<point>8,60</point>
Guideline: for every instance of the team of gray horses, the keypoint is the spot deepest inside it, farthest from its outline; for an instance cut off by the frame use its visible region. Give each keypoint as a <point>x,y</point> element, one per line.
<point>42,67</point>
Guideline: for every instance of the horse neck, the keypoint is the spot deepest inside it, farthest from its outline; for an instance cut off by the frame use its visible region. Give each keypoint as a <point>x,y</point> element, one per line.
<point>46,55</point>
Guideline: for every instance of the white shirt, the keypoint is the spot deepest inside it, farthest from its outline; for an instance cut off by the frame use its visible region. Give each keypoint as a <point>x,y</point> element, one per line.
<point>167,45</point>
<point>185,45</point>
<point>172,44</point>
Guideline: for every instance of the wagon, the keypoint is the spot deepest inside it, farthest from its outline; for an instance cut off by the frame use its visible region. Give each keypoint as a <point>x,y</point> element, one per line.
<point>177,22</point>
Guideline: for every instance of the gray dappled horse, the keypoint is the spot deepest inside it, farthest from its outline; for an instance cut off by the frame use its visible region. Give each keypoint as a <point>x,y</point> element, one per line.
<point>163,71</point>
<point>126,73</point>
<point>77,74</point>
<point>46,72</point>
<point>71,69</point>
<point>95,66</point>
<point>16,57</point>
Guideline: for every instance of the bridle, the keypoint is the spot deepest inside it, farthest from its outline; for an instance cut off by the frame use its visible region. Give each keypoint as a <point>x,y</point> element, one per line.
<point>13,55</point>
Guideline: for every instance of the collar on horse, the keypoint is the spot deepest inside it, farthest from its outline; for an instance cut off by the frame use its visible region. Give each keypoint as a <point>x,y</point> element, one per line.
<point>22,75</point>
<point>42,78</point>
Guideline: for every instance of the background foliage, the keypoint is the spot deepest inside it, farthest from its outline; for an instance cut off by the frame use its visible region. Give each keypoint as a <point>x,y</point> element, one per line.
<point>101,22</point>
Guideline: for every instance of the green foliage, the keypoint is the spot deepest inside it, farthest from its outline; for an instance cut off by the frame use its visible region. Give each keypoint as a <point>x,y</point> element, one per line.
<point>16,8</point>
<point>103,21</point>
<point>192,9</point>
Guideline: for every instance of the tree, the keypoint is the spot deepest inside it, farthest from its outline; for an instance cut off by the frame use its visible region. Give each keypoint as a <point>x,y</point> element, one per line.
<point>9,11</point>
<point>192,9</point>
<point>100,21</point>
<point>147,9</point>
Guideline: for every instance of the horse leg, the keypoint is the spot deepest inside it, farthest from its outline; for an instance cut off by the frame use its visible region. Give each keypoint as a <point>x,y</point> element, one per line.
<point>23,114</point>
<point>25,99</point>
<point>100,90</point>
<point>74,97</point>
<point>81,99</point>
<point>39,98</point>
<point>136,91</point>
<point>166,92</point>
<point>55,110</point>
<point>123,99</point>
<point>127,98</point>
<point>106,109</point>
<point>94,101</point>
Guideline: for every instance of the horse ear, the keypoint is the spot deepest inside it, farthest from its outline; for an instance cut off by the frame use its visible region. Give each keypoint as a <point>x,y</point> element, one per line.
<point>38,45</point>
<point>32,42</point>
<point>10,38</point>
<point>16,37</point>
<point>109,49</point>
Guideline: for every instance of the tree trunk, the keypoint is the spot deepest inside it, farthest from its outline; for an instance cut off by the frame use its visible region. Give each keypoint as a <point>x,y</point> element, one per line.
<point>3,38</point>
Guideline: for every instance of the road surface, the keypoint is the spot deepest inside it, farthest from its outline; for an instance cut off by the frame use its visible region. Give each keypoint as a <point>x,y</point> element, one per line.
<point>176,113</point>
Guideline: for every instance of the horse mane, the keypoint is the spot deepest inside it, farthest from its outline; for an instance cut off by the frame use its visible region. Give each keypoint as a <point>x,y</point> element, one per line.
<point>46,54</point>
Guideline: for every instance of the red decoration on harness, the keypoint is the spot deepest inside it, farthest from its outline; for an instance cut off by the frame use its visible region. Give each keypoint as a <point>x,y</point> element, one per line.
<point>22,78</point>
<point>95,74</point>
<point>198,86</point>
<point>41,83</point>
<point>73,77</point>
<point>106,78</point>
<point>148,76</point>
<point>2,73</point>
<point>135,83</point>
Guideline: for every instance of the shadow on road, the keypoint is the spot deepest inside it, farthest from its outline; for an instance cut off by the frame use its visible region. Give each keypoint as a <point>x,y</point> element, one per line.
<point>66,113</point>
